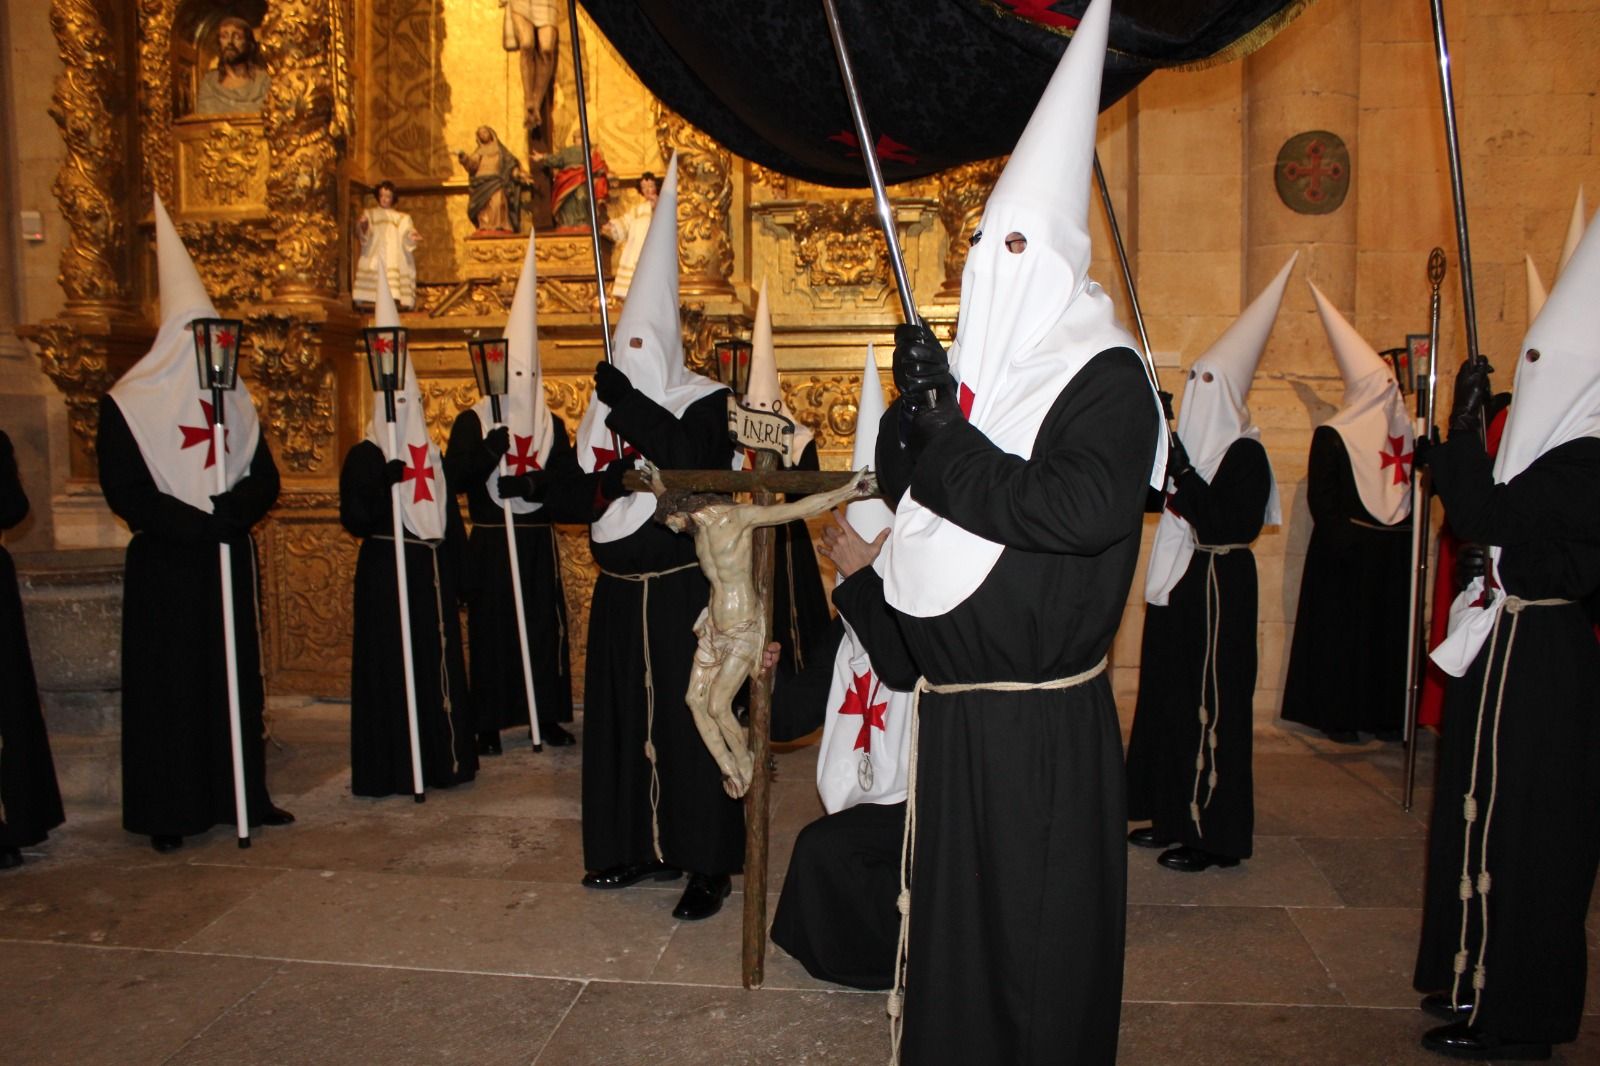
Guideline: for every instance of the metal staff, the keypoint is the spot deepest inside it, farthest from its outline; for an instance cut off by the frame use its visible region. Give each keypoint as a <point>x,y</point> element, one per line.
<point>1421,509</point>
<point>1469,306</point>
<point>217,345</point>
<point>1133,292</point>
<point>594,209</point>
<point>869,155</point>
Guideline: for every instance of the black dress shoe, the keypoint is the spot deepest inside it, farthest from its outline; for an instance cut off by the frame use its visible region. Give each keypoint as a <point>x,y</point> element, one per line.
<point>277,816</point>
<point>1342,736</point>
<point>10,858</point>
<point>1192,860</point>
<point>631,873</point>
<point>1462,1041</point>
<point>555,736</point>
<point>1438,1004</point>
<point>703,897</point>
<point>489,744</point>
<point>166,842</point>
<point>1147,838</point>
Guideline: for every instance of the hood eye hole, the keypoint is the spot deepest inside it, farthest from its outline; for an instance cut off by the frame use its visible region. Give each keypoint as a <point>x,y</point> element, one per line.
<point>1208,377</point>
<point>972,241</point>
<point>636,342</point>
<point>1016,243</point>
<point>1533,355</point>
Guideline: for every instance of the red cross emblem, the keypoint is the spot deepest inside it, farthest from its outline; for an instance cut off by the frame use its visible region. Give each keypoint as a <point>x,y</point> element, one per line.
<point>603,456</point>
<point>520,459</point>
<point>1401,463</point>
<point>1314,168</point>
<point>420,472</point>
<point>193,435</point>
<point>888,147</point>
<point>858,700</point>
<point>965,398</point>
<point>1039,11</point>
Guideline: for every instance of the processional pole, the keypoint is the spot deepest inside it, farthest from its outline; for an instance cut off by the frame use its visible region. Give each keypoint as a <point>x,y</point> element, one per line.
<point>594,202</point>
<point>1133,291</point>
<point>1421,509</point>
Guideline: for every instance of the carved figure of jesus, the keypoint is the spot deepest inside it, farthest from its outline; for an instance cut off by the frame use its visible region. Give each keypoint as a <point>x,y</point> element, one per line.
<point>731,629</point>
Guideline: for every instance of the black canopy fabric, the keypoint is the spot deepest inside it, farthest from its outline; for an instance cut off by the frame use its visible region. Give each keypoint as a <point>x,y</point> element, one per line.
<point>943,81</point>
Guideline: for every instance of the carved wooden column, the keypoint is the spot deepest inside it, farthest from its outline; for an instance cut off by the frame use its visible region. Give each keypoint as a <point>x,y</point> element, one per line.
<point>963,190</point>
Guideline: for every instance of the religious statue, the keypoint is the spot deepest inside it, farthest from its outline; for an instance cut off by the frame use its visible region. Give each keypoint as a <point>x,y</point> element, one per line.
<point>238,85</point>
<point>530,31</point>
<point>388,239</point>
<point>731,630</point>
<point>569,190</point>
<point>494,192</point>
<point>629,229</point>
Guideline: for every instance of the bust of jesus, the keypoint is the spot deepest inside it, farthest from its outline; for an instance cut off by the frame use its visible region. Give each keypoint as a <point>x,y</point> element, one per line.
<point>239,83</point>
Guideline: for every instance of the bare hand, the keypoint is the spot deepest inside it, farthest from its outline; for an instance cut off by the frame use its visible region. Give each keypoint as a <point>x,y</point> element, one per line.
<point>848,549</point>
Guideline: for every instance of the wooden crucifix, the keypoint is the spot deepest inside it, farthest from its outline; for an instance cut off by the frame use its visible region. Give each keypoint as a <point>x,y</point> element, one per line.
<point>735,544</point>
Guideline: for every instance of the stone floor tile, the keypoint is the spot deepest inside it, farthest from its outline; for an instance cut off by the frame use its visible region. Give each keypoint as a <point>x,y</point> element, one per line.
<point>1351,810</point>
<point>1368,951</point>
<point>1165,1034</point>
<point>85,1006</point>
<point>155,904</point>
<point>1375,872</point>
<point>475,926</point>
<point>1221,955</point>
<point>311,1015</point>
<point>1279,874</point>
<point>708,953</point>
<point>684,1024</point>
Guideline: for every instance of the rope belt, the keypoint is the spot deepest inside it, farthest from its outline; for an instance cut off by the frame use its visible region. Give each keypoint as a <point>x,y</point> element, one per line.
<point>444,657</point>
<point>650,695</point>
<point>1514,606</point>
<point>908,840</point>
<point>1399,527</point>
<point>1208,673</point>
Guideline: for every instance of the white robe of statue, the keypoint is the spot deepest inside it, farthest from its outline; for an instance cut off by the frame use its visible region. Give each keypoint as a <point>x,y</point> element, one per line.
<point>388,236</point>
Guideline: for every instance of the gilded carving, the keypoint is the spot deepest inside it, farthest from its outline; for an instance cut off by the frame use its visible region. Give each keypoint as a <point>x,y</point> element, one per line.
<point>155,96</point>
<point>705,196</point>
<point>701,331</point>
<point>80,370</point>
<point>308,577</point>
<point>442,401</point>
<point>578,574</point>
<point>838,242</point>
<point>296,388</point>
<point>227,161</point>
<point>568,397</point>
<point>235,259</point>
<point>828,405</point>
<point>306,141</point>
<point>405,90</point>
<point>963,190</point>
<point>777,184</point>
<point>90,186</point>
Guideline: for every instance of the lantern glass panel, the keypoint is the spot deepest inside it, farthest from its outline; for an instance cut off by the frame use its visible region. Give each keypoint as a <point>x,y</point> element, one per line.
<point>732,363</point>
<point>490,365</point>
<point>216,351</point>
<point>386,356</point>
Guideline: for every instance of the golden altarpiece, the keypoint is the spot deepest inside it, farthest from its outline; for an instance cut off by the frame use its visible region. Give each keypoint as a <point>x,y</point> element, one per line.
<point>363,91</point>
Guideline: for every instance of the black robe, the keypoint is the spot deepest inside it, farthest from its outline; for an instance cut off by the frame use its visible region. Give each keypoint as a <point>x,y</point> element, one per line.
<point>177,763</point>
<point>499,698</point>
<point>380,734</point>
<point>1544,826</point>
<point>702,829</point>
<point>30,802</point>
<point>1347,664</point>
<point>837,913</point>
<point>1019,881</point>
<point>1173,677</point>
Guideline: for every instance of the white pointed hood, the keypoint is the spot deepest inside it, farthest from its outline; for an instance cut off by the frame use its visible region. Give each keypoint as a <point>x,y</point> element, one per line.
<point>1555,399</point>
<point>160,397</point>
<point>763,392</point>
<point>867,732</point>
<point>1028,322</point>
<point>1536,290</point>
<point>523,406</point>
<point>648,347</point>
<point>1214,415</point>
<point>1576,224</point>
<point>423,496</point>
<point>1373,421</point>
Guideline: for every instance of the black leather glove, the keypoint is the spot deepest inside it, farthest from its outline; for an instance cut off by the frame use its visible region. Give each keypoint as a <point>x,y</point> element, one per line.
<point>521,486</point>
<point>227,516</point>
<point>1422,446</point>
<point>920,363</point>
<point>1178,464</point>
<point>929,421</point>
<point>394,472</point>
<point>1472,560</point>
<point>611,486</point>
<point>1472,392</point>
<point>611,386</point>
<point>498,441</point>
<point>1166,403</point>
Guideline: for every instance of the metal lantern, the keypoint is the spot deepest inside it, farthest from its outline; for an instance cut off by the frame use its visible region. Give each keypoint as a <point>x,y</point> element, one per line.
<point>490,365</point>
<point>732,363</point>
<point>216,352</point>
<point>386,361</point>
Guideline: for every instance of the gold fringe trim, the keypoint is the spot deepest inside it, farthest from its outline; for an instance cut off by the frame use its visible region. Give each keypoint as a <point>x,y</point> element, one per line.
<point>1237,49</point>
